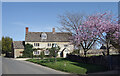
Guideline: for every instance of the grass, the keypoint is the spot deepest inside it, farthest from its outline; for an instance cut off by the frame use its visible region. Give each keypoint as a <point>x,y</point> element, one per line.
<point>65,65</point>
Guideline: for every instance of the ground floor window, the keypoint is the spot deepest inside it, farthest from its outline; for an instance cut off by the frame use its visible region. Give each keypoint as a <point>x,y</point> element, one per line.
<point>36,52</point>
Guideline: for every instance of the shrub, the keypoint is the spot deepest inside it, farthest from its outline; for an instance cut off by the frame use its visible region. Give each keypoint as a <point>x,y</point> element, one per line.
<point>76,51</point>
<point>42,54</point>
<point>28,51</point>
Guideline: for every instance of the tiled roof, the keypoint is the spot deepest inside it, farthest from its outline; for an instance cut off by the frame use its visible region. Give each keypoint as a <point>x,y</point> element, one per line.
<point>51,37</point>
<point>18,45</point>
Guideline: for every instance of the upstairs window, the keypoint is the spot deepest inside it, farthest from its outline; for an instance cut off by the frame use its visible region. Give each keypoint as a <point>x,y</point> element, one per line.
<point>36,44</point>
<point>43,35</point>
<point>49,44</point>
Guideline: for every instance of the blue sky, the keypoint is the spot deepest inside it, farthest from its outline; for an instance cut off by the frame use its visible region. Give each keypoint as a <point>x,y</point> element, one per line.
<point>43,16</point>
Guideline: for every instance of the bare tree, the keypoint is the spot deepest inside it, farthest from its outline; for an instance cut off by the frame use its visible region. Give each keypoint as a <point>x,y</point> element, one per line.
<point>70,22</point>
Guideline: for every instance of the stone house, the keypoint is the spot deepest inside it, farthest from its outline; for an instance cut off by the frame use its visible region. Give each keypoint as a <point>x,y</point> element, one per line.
<point>18,48</point>
<point>43,40</point>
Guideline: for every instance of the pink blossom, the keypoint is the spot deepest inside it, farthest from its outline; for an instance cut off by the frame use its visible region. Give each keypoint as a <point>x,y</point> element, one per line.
<point>98,25</point>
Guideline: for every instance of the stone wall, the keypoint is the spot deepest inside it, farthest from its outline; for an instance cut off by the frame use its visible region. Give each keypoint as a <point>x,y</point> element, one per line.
<point>99,51</point>
<point>111,62</point>
<point>18,52</point>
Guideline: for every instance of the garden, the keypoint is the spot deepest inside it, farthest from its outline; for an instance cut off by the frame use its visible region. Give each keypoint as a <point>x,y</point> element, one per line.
<point>88,33</point>
<point>66,65</point>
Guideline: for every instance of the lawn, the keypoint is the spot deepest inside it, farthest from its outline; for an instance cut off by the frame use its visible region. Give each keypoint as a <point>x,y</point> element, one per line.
<point>65,65</point>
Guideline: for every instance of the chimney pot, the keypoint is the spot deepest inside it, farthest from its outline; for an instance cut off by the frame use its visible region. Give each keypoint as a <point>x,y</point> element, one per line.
<point>26,30</point>
<point>53,30</point>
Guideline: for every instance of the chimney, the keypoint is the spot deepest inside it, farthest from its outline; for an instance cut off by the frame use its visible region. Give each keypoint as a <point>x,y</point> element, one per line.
<point>53,30</point>
<point>26,30</point>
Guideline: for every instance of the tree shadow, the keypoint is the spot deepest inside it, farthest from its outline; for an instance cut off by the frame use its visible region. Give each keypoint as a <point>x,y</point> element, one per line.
<point>90,67</point>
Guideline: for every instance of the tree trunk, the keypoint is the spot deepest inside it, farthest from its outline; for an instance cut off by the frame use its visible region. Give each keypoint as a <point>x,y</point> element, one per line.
<point>108,49</point>
<point>85,52</point>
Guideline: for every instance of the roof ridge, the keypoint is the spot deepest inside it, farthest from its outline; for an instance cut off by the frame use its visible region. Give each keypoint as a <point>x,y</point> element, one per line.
<point>17,41</point>
<point>48,32</point>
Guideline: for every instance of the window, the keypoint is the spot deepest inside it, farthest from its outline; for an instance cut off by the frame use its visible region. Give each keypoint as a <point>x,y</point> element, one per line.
<point>49,44</point>
<point>65,45</point>
<point>54,45</point>
<point>36,44</point>
<point>43,36</point>
<point>36,52</point>
<point>46,52</point>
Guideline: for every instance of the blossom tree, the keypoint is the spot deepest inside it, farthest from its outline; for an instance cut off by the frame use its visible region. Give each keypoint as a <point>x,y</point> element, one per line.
<point>116,38</point>
<point>70,22</point>
<point>85,36</point>
<point>86,31</point>
<point>107,28</point>
<point>98,27</point>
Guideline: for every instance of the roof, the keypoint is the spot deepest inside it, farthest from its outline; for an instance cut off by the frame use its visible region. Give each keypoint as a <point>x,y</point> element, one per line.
<point>18,45</point>
<point>51,37</point>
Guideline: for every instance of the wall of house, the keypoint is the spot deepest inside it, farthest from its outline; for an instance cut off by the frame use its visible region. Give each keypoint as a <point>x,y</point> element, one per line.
<point>17,52</point>
<point>99,51</point>
<point>60,44</point>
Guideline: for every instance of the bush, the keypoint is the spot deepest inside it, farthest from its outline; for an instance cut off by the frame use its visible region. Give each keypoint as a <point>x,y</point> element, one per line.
<point>28,51</point>
<point>54,51</point>
<point>76,51</point>
<point>20,57</point>
<point>36,56</point>
<point>47,56</point>
<point>42,54</point>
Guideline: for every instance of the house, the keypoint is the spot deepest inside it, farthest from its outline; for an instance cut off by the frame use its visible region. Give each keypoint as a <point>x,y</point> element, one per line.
<point>43,40</point>
<point>18,48</point>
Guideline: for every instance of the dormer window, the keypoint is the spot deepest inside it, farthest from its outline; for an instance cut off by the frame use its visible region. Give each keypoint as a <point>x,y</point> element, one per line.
<point>43,35</point>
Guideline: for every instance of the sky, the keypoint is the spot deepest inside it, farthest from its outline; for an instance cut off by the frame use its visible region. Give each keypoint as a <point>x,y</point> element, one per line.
<point>60,0</point>
<point>43,16</point>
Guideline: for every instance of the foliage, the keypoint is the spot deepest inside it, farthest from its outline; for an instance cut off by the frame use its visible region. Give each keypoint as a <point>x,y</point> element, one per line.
<point>76,51</point>
<point>6,44</point>
<point>20,57</point>
<point>35,56</point>
<point>106,28</point>
<point>54,50</point>
<point>100,27</point>
<point>28,50</point>
<point>74,23</point>
<point>0,47</point>
<point>116,45</point>
<point>65,65</point>
<point>42,54</point>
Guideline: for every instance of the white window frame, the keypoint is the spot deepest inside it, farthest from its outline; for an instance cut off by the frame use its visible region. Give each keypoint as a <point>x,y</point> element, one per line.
<point>43,35</point>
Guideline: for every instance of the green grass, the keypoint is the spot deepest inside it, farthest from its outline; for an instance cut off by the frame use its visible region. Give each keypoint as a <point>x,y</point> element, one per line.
<point>65,65</point>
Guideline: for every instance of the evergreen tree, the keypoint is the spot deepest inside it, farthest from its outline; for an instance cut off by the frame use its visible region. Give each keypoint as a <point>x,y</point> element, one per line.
<point>28,50</point>
<point>6,45</point>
